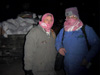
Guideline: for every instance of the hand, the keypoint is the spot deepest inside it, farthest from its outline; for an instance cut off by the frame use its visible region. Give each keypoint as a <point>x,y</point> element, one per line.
<point>62,51</point>
<point>28,72</point>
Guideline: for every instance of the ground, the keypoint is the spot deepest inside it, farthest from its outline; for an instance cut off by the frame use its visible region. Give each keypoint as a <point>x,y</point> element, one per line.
<point>14,68</point>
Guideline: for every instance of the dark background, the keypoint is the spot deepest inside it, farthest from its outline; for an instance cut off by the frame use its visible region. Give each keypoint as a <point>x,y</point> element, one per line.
<point>88,9</point>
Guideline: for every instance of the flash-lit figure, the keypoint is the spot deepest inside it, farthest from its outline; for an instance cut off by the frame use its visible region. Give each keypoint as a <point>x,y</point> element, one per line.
<point>75,48</point>
<point>40,52</point>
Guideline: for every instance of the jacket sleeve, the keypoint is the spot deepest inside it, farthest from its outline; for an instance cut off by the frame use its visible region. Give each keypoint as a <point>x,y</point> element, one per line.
<point>29,49</point>
<point>94,42</point>
<point>58,42</point>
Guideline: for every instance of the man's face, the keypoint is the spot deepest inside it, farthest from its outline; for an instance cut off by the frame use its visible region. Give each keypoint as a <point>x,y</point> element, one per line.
<point>48,20</point>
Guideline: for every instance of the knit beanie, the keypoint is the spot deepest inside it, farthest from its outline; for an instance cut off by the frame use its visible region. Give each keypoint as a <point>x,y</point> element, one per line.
<point>71,11</point>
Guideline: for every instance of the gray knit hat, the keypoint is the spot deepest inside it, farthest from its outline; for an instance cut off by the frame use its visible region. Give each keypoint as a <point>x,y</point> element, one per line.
<point>71,11</point>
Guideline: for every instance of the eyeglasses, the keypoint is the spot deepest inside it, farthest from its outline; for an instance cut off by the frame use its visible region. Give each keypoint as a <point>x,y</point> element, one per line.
<point>72,16</point>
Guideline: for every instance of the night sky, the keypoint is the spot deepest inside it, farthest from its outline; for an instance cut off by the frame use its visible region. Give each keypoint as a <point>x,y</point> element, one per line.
<point>88,9</point>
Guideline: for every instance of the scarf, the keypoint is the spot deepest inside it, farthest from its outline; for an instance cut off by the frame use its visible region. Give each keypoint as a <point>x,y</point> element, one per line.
<point>72,24</point>
<point>46,27</point>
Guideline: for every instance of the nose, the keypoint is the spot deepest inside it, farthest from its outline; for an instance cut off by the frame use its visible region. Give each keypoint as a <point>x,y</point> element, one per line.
<point>49,22</point>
